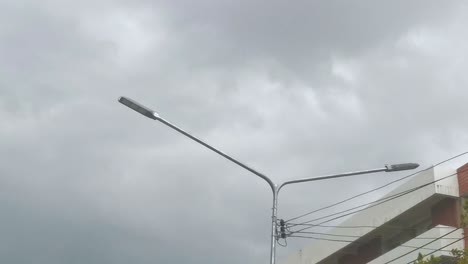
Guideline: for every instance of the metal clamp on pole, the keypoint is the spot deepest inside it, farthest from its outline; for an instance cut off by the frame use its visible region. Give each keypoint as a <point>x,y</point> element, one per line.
<point>282,229</point>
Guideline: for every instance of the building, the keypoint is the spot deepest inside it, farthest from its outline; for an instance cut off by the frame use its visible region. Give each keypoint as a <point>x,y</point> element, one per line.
<point>400,226</point>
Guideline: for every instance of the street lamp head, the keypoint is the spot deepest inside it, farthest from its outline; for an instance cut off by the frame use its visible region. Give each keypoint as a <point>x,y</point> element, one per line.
<point>139,108</point>
<point>401,167</point>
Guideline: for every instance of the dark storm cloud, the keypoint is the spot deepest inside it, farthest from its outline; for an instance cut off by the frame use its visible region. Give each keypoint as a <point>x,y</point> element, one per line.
<point>299,36</point>
<point>294,89</point>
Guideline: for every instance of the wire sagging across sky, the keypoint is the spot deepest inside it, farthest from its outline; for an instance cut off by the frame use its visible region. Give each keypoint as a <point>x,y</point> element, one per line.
<point>369,205</point>
<point>375,189</point>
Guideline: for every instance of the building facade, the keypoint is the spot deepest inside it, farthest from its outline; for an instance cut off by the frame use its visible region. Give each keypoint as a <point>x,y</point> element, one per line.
<point>398,230</point>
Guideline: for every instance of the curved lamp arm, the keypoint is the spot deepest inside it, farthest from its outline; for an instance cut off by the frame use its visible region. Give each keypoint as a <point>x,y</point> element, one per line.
<point>386,168</point>
<point>153,115</point>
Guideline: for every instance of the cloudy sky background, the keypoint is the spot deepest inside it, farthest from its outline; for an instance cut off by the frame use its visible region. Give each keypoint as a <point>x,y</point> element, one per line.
<point>293,89</point>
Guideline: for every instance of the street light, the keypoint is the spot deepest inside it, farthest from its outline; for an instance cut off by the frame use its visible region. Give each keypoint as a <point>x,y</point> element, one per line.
<point>274,187</point>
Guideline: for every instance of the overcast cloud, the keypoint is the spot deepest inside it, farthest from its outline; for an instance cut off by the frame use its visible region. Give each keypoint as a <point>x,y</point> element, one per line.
<point>295,89</point>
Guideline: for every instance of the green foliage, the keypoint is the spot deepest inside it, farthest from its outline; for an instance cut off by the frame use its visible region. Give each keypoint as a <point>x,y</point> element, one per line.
<point>431,260</point>
<point>461,256</point>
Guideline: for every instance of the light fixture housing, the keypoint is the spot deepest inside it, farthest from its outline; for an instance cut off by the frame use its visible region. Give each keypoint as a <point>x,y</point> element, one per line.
<point>138,107</point>
<point>401,167</point>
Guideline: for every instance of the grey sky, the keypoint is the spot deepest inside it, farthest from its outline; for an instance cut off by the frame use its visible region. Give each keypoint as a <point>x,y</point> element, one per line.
<point>294,89</point>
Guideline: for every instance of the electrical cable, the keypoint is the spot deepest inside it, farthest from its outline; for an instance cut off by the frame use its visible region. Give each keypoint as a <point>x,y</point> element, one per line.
<point>372,204</point>
<point>344,215</point>
<point>350,241</point>
<point>341,216</point>
<point>373,190</point>
<point>430,242</point>
<point>385,199</point>
<point>283,245</point>
<point>355,236</point>
<point>439,249</point>
<point>366,226</point>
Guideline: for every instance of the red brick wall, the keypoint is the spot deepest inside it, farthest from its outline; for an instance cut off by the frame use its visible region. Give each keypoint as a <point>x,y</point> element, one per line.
<point>446,212</point>
<point>462,174</point>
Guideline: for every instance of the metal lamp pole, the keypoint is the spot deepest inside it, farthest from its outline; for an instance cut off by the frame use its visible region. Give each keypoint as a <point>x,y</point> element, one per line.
<point>274,187</point>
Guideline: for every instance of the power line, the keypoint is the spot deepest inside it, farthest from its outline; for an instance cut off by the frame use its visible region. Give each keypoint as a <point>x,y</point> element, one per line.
<point>355,236</point>
<point>385,199</point>
<point>350,241</point>
<point>373,190</point>
<point>439,249</point>
<point>360,210</point>
<point>372,204</point>
<point>366,226</point>
<point>425,248</point>
<point>430,242</point>
<point>325,239</point>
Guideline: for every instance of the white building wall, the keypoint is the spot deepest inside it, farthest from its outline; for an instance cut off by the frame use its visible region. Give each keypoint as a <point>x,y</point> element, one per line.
<point>380,214</point>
